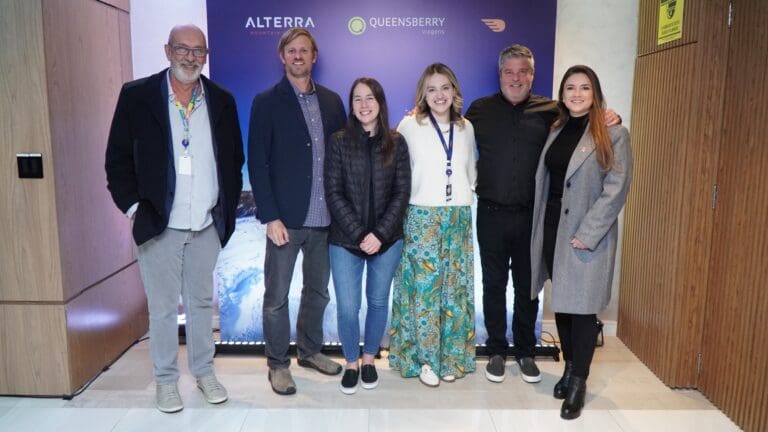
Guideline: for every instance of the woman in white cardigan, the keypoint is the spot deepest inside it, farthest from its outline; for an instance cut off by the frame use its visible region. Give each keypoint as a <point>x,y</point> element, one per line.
<point>433,310</point>
<point>581,185</point>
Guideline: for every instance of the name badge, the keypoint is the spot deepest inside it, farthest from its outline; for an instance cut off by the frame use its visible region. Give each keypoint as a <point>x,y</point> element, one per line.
<point>185,165</point>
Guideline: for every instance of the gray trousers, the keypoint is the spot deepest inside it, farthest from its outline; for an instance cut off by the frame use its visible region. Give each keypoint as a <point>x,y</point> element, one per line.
<point>180,262</point>
<point>278,271</point>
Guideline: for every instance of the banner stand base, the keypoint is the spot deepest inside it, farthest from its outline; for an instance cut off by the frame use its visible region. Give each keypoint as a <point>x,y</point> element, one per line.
<point>334,349</point>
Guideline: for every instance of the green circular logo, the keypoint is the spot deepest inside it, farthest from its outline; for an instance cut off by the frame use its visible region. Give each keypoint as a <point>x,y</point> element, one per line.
<point>356,25</point>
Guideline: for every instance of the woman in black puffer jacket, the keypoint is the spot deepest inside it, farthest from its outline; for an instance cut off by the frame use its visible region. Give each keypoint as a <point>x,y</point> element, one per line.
<point>367,187</point>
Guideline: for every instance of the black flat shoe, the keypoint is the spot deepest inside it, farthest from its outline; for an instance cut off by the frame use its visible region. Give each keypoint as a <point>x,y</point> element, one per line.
<point>561,387</point>
<point>574,398</point>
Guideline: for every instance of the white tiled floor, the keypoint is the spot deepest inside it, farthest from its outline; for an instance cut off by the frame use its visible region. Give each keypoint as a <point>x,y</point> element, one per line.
<point>623,396</point>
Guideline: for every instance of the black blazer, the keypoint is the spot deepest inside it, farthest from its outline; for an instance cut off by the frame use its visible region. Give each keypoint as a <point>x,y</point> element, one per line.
<point>280,151</point>
<point>139,160</point>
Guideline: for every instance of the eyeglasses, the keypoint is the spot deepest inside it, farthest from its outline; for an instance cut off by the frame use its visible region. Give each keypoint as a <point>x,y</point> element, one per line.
<point>181,50</point>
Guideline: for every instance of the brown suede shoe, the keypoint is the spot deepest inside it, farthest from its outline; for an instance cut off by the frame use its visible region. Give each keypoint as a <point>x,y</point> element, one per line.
<point>321,363</point>
<point>281,381</point>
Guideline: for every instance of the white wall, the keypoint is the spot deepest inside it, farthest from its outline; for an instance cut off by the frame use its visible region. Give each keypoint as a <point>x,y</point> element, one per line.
<point>600,34</point>
<point>151,21</point>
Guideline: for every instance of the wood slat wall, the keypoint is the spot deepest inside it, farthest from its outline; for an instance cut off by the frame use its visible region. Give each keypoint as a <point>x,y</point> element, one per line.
<point>668,218</point>
<point>694,12</point>
<point>693,279</point>
<point>734,372</point>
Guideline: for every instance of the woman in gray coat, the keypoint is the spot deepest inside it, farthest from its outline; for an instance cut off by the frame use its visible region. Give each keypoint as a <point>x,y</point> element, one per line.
<point>581,186</point>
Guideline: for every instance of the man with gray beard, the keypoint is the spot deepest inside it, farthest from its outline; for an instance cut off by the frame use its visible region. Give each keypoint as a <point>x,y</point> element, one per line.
<point>174,159</point>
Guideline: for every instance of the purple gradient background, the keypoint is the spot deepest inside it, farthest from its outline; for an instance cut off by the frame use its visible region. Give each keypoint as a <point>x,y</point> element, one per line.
<point>247,64</point>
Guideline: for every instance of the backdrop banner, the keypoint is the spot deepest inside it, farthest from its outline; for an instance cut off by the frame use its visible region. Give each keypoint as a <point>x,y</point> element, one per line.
<point>392,42</point>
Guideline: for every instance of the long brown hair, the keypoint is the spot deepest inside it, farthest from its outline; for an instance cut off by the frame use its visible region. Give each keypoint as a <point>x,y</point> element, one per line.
<point>382,120</point>
<point>597,128</point>
<point>422,108</point>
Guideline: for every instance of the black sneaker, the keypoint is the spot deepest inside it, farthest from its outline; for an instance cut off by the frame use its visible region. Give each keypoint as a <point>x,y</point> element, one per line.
<point>528,370</point>
<point>349,381</point>
<point>494,371</point>
<point>369,377</point>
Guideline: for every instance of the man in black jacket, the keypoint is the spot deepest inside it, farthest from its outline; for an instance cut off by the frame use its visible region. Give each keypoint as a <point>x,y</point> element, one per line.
<point>173,162</point>
<point>290,125</point>
<point>511,128</point>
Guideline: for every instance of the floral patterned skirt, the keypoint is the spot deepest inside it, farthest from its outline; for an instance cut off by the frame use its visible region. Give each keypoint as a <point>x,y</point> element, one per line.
<point>433,307</point>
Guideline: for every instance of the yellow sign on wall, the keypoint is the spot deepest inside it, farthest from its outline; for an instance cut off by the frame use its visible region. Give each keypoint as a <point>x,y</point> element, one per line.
<point>670,21</point>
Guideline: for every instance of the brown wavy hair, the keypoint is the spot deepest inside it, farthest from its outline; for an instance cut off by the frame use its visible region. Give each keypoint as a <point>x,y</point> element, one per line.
<point>597,128</point>
<point>421,111</point>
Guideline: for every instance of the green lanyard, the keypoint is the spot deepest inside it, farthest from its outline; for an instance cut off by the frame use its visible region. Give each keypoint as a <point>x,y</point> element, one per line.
<point>185,115</point>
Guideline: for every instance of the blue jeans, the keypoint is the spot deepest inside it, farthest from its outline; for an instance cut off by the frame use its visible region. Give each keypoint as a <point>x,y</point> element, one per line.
<point>347,272</point>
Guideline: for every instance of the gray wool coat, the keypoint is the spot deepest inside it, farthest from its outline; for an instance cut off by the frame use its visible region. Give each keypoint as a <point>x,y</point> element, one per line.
<point>592,200</point>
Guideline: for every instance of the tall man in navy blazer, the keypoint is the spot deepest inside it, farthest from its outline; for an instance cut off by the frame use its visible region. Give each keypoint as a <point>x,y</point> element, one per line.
<point>290,124</point>
<point>173,162</point>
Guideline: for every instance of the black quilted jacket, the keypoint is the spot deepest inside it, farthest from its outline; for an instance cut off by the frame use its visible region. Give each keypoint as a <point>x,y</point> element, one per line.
<point>347,171</point>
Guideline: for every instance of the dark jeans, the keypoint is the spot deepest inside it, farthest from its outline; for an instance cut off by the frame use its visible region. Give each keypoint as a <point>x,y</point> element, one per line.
<point>504,236</point>
<point>278,271</point>
<point>578,336</point>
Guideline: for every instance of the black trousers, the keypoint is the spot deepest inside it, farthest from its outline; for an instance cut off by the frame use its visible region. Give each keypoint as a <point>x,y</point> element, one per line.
<point>578,333</point>
<point>504,237</point>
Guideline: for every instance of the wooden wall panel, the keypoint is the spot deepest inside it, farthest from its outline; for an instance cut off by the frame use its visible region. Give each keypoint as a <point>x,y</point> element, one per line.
<point>123,5</point>
<point>71,298</point>
<point>668,217</point>
<point>126,59</point>
<point>33,342</point>
<point>734,373</point>
<point>29,268</point>
<point>102,322</point>
<point>693,27</point>
<point>94,236</point>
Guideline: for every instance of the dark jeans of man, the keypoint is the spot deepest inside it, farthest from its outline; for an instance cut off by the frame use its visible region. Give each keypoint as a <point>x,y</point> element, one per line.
<point>278,272</point>
<point>504,236</point>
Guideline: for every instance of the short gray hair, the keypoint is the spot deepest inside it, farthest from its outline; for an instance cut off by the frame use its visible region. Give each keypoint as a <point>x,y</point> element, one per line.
<point>517,51</point>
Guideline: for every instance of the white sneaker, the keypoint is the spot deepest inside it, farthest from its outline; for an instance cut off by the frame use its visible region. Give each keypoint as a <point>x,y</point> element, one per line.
<point>449,378</point>
<point>213,391</point>
<point>428,376</point>
<point>168,398</point>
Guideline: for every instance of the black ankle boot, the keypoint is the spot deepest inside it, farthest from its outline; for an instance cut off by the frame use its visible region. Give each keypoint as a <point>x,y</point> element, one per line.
<point>574,398</point>
<point>561,387</point>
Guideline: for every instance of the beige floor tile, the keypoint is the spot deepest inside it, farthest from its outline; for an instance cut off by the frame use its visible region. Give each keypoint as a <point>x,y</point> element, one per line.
<point>187,420</point>
<point>61,419</point>
<point>431,420</point>
<point>302,420</point>
<point>9,401</point>
<point>621,391</point>
<point>549,420</point>
<point>673,421</point>
<point>4,410</point>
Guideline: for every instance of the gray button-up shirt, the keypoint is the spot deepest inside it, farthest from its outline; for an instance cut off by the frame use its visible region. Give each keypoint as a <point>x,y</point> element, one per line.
<point>318,214</point>
<point>195,194</point>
